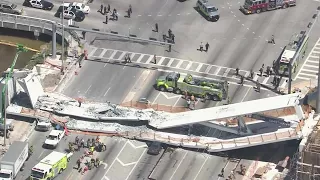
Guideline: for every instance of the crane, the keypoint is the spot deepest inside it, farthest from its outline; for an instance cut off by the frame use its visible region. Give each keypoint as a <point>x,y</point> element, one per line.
<point>20,49</point>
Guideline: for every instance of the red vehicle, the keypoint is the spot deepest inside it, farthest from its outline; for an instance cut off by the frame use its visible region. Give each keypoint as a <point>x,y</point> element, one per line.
<point>257,6</point>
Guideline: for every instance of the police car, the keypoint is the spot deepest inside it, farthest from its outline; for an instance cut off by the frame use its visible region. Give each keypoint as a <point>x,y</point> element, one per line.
<point>40,4</point>
<point>70,13</point>
<point>210,11</point>
<point>78,6</point>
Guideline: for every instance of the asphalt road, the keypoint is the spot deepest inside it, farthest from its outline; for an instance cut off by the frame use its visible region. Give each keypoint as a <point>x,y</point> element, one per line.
<point>128,159</point>
<point>235,40</point>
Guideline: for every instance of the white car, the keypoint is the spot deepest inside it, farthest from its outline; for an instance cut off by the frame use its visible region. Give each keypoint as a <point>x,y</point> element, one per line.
<point>54,138</point>
<point>43,125</point>
<point>78,6</point>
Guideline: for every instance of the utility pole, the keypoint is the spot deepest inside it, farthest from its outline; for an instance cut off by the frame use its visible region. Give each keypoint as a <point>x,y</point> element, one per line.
<point>62,55</point>
<point>318,93</point>
<point>20,49</point>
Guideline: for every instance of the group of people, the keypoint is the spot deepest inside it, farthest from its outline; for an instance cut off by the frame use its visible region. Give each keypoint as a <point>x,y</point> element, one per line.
<point>105,10</point>
<point>91,144</point>
<point>94,162</point>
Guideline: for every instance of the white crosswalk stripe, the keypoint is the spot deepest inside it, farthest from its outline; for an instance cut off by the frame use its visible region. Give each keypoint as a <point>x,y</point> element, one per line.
<point>185,65</point>
<point>309,69</point>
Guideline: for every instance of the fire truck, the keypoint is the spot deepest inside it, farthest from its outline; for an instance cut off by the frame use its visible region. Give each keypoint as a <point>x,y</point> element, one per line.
<point>292,55</point>
<point>258,6</point>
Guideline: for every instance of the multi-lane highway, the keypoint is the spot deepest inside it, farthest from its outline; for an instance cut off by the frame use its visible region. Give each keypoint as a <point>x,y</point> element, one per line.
<point>128,159</point>
<point>236,41</point>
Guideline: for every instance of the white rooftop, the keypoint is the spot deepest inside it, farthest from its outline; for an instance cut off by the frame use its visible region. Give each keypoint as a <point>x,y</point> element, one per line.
<point>55,132</point>
<point>227,111</point>
<point>53,158</point>
<point>287,55</point>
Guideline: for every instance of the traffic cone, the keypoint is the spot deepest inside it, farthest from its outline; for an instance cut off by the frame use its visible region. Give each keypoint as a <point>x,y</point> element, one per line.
<point>85,55</point>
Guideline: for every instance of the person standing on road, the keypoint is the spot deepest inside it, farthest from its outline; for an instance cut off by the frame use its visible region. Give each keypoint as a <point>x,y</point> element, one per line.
<point>261,71</point>
<point>164,37</point>
<point>78,164</point>
<point>169,33</point>
<point>251,74</point>
<point>237,72</point>
<point>129,13</point>
<point>105,10</point>
<point>109,7</point>
<point>155,59</point>
<point>101,7</point>
<point>201,46</point>
<point>222,172</point>
<point>130,8</point>
<point>258,86</point>
<point>241,80</point>
<point>106,19</point>
<point>207,47</point>
<point>172,38</point>
<point>272,40</point>
<point>156,27</point>
<point>84,35</point>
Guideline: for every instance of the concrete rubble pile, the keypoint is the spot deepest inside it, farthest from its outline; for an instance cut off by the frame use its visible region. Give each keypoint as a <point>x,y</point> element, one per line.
<point>63,105</point>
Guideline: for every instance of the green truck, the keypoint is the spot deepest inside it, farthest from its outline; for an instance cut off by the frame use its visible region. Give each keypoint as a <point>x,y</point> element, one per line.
<point>208,89</point>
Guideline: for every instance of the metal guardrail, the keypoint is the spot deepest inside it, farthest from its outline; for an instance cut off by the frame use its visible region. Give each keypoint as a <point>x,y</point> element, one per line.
<point>43,24</point>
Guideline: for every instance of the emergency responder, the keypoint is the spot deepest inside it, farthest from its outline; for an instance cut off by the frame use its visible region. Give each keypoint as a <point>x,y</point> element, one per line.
<point>251,74</point>
<point>83,34</point>
<point>101,7</point>
<point>98,139</point>
<point>278,81</point>
<point>201,47</point>
<point>93,141</point>
<point>222,172</point>
<point>274,81</point>
<point>130,8</point>
<point>156,28</point>
<point>92,149</point>
<point>242,169</point>
<point>268,71</point>
<point>82,143</point>
<point>261,71</point>
<point>169,50</point>
<point>127,58</point>
<point>104,147</point>
<point>88,143</point>
<point>31,150</point>
<point>169,33</point>
<point>78,164</point>
<point>97,164</point>
<point>71,149</point>
<point>76,141</point>
<point>105,10</point>
<point>241,80</point>
<point>106,19</point>
<point>164,37</point>
<point>258,86</point>
<point>237,72</point>
<point>93,162</point>
<point>272,40</point>
<point>129,13</point>
<point>154,59</point>
<point>172,38</point>
<point>207,47</point>
<point>89,165</point>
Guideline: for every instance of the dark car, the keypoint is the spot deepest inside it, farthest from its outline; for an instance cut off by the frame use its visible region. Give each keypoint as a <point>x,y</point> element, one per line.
<point>154,148</point>
<point>8,7</point>
<point>40,4</point>
<point>70,13</point>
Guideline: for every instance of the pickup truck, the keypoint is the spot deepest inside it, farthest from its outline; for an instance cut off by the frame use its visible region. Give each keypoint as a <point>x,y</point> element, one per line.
<point>43,125</point>
<point>13,160</point>
<point>54,138</point>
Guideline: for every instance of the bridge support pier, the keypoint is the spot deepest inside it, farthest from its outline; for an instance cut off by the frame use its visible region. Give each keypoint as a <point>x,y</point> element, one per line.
<point>54,40</point>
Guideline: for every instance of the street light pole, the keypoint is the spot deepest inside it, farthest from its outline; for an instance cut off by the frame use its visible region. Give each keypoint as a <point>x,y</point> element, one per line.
<point>62,55</point>
<point>318,93</point>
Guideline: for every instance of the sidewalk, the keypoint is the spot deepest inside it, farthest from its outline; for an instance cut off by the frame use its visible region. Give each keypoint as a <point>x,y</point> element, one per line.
<point>21,132</point>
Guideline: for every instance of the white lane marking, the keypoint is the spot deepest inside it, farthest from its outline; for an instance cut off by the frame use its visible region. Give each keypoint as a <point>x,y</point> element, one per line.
<point>174,172</point>
<point>199,67</point>
<point>176,101</point>
<point>122,55</point>
<point>217,71</point>
<point>103,52</point>
<point>140,57</point>
<point>266,80</point>
<point>299,77</point>
<point>136,164</point>
<point>224,168</point>
<point>170,62</point>
<point>125,164</point>
<point>156,98</point>
<point>137,147</point>
<point>149,60</point>
<point>41,154</point>
<point>188,66</point>
<point>308,70</point>
<point>204,162</point>
<point>92,51</point>
<point>161,60</point>
<point>226,72</point>
<point>116,158</point>
<point>245,94</point>
<point>179,63</point>
<point>113,54</point>
<point>208,69</point>
<point>88,89</point>
<point>106,92</point>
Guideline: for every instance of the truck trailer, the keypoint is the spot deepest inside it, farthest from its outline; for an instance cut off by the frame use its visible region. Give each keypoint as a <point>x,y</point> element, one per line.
<point>13,160</point>
<point>258,6</point>
<point>204,88</point>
